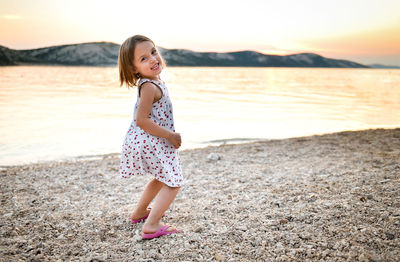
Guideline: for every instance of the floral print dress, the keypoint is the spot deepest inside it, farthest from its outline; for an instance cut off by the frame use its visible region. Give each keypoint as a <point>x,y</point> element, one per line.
<point>144,153</point>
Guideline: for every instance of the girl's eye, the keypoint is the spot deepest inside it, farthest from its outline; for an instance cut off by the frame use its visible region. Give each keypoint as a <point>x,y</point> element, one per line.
<point>144,58</point>
<point>154,52</point>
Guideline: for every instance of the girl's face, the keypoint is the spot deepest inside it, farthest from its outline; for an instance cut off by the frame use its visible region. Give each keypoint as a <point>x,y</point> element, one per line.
<point>147,61</point>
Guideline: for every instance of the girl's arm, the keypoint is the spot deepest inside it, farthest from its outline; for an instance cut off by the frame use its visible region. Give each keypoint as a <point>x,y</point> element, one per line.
<point>148,93</point>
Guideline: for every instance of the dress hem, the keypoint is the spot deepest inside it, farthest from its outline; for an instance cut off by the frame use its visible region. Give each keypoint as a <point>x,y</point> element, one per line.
<point>164,182</point>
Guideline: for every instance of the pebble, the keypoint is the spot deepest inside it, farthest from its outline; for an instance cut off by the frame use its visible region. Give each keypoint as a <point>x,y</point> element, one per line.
<point>218,257</point>
<point>213,157</point>
<point>280,200</point>
<point>243,228</point>
<point>283,221</point>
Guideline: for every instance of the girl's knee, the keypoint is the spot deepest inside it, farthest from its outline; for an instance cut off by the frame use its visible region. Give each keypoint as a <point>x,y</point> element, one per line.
<point>156,182</point>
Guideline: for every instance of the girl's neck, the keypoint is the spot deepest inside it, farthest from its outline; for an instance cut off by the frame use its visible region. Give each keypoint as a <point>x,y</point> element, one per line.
<point>156,78</point>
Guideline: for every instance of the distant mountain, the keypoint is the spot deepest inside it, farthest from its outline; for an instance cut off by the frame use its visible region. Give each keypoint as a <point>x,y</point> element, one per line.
<point>384,66</point>
<point>14,57</point>
<point>106,54</point>
<point>181,57</point>
<point>91,54</point>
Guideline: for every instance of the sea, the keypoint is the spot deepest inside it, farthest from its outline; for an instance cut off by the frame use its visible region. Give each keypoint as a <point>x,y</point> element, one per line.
<point>63,112</point>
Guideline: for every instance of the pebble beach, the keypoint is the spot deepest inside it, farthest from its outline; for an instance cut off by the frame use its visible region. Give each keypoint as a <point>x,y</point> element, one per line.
<point>333,197</point>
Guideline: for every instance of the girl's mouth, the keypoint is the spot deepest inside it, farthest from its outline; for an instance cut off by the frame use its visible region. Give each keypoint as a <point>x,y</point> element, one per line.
<point>155,67</point>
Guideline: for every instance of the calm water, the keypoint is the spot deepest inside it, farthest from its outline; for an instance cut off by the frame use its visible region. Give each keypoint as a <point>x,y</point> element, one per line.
<point>57,112</point>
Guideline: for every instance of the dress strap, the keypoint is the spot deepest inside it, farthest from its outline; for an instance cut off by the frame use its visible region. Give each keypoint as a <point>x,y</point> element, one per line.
<point>144,80</point>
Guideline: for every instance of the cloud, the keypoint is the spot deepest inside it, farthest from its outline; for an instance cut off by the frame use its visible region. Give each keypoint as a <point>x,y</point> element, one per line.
<point>11,17</point>
<point>382,41</point>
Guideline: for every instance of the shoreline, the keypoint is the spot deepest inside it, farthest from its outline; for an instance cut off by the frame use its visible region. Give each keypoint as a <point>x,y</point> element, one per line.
<point>212,143</point>
<point>332,197</point>
<point>200,145</point>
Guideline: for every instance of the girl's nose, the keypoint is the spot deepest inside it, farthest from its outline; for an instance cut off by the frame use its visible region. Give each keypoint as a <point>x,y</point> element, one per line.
<point>152,59</point>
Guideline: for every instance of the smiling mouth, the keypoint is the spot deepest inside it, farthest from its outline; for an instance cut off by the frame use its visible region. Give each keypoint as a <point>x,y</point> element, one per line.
<point>155,67</point>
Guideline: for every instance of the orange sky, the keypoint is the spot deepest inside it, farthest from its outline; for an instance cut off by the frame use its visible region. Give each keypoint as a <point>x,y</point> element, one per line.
<point>365,31</point>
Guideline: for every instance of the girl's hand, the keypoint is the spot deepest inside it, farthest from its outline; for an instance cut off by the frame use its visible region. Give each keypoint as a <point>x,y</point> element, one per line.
<point>175,139</point>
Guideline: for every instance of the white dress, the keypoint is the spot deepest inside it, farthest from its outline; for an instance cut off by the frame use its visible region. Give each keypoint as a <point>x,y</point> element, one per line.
<point>144,153</point>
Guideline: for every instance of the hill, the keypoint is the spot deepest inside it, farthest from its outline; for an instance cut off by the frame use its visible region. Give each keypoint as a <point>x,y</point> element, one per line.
<point>384,66</point>
<point>106,54</point>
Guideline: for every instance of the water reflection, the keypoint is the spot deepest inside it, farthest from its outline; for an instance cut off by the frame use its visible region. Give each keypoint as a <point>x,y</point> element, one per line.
<point>53,112</point>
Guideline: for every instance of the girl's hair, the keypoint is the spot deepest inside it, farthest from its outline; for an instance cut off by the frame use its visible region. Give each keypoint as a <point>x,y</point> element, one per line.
<point>126,67</point>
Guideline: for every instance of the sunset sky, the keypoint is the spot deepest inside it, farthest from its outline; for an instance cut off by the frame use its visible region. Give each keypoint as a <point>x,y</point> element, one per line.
<point>365,31</point>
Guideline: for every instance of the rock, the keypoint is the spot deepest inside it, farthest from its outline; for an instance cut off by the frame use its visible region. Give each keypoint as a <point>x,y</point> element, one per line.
<point>376,259</point>
<point>325,253</point>
<point>218,257</point>
<point>242,228</point>
<point>389,236</point>
<point>98,259</point>
<point>137,238</point>
<point>213,157</point>
<point>364,257</point>
<point>283,221</point>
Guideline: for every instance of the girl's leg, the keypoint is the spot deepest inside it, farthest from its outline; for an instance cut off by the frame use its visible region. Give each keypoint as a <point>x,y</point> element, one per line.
<point>161,203</point>
<point>149,193</point>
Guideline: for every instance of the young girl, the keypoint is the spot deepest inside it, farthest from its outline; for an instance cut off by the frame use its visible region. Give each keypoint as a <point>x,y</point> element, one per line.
<point>151,143</point>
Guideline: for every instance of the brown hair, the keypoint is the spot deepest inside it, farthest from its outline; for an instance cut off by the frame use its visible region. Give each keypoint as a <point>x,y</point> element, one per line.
<point>126,68</point>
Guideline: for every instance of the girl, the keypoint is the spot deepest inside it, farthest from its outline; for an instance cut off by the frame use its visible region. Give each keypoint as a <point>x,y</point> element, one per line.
<point>151,143</point>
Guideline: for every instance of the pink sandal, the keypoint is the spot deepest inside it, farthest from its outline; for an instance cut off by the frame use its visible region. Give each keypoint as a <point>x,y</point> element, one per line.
<point>161,232</point>
<point>136,221</point>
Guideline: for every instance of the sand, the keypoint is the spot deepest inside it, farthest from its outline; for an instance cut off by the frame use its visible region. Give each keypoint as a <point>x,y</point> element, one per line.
<point>333,197</point>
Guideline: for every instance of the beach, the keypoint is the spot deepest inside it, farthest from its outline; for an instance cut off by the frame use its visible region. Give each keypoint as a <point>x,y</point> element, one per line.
<point>333,197</point>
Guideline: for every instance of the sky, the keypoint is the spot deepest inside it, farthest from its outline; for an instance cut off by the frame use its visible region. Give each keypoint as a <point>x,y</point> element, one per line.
<point>364,31</point>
